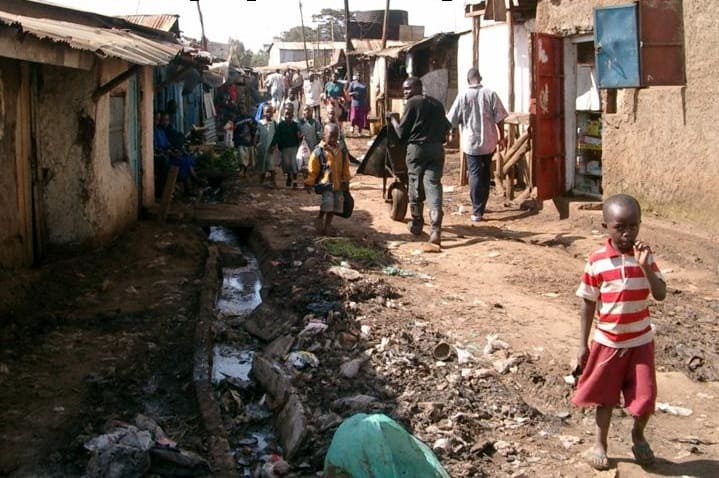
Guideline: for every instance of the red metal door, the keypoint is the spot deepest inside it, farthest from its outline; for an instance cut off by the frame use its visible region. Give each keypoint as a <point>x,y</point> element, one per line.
<point>547,115</point>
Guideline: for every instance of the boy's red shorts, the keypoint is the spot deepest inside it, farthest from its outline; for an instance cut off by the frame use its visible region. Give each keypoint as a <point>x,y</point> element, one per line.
<point>610,371</point>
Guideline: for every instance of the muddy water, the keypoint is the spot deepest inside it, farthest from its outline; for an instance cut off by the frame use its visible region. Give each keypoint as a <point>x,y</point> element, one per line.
<point>240,294</point>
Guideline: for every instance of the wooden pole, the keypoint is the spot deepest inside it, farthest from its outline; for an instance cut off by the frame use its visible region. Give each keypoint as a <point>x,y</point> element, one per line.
<point>167,194</point>
<point>348,42</point>
<point>510,25</point>
<point>475,41</point>
<point>304,40</point>
<point>385,22</point>
<point>203,40</point>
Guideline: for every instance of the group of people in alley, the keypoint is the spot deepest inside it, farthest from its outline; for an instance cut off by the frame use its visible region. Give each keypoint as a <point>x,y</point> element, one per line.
<point>618,278</point>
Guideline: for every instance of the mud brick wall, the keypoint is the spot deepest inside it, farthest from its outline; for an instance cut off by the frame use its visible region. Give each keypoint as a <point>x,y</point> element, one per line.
<point>661,145</point>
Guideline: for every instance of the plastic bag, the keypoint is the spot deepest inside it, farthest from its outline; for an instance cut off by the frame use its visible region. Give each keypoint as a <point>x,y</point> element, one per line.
<point>368,446</point>
<point>303,156</point>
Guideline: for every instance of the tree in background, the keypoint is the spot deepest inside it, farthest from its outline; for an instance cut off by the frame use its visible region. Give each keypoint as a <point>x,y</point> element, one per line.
<point>241,56</point>
<point>295,34</point>
<point>330,24</point>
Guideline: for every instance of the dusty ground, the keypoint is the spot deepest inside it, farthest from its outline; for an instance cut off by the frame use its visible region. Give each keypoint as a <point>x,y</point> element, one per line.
<point>81,351</point>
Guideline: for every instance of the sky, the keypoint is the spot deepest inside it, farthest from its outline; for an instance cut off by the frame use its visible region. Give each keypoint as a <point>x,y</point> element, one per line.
<point>256,22</point>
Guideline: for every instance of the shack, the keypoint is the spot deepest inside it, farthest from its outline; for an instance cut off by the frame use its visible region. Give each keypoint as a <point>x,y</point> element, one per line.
<point>76,126</point>
<point>630,91</point>
<point>434,59</point>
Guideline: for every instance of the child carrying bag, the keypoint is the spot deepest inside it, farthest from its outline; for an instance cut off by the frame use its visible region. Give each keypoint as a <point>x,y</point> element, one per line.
<point>348,203</point>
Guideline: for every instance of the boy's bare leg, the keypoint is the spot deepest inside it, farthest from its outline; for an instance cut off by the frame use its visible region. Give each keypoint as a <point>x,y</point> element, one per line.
<point>640,447</point>
<point>598,456</point>
<point>320,224</point>
<point>328,222</point>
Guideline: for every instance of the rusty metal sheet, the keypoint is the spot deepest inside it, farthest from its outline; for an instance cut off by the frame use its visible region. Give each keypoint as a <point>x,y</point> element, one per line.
<point>104,42</point>
<point>548,115</point>
<point>661,33</point>
<point>158,22</point>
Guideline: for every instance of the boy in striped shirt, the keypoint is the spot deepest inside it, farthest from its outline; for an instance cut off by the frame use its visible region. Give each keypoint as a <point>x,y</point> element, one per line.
<point>617,281</point>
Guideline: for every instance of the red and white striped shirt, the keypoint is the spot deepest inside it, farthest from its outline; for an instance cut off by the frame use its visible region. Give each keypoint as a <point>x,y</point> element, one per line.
<point>619,287</point>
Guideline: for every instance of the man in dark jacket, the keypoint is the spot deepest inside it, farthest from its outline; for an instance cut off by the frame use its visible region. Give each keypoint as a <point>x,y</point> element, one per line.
<point>424,128</point>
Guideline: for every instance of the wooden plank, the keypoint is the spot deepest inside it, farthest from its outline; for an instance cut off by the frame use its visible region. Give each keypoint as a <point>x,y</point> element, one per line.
<point>516,144</point>
<point>514,158</point>
<point>22,154</point>
<point>499,161</point>
<point>167,194</point>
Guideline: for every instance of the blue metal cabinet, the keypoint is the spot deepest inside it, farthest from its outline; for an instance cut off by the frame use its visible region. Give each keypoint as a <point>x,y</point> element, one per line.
<point>616,40</point>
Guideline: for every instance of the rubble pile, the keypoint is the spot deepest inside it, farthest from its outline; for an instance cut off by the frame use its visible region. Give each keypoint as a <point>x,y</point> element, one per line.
<point>351,348</point>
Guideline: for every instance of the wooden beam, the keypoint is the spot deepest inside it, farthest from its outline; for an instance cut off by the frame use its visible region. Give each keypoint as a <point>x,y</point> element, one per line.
<point>42,51</point>
<point>110,85</point>
<point>475,41</point>
<point>167,194</point>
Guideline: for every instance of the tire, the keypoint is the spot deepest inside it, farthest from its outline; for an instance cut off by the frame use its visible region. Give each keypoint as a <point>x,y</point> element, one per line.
<point>398,206</point>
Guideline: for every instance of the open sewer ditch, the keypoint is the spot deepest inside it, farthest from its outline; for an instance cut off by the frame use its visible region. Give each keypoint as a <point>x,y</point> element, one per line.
<point>244,405</point>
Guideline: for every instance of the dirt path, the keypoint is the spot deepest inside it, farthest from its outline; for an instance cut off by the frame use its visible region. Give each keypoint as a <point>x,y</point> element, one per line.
<point>108,335</point>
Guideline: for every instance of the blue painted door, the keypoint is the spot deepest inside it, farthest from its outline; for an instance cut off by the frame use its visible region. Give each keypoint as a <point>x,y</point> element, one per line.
<point>616,41</point>
<point>133,130</point>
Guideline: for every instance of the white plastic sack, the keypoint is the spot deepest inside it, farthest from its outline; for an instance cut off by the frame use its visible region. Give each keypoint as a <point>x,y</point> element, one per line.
<point>303,156</point>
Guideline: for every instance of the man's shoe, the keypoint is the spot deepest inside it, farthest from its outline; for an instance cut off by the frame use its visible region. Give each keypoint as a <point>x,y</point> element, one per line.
<point>474,218</point>
<point>415,227</point>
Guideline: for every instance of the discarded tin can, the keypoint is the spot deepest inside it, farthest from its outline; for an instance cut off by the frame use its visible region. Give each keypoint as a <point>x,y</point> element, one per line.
<point>442,351</point>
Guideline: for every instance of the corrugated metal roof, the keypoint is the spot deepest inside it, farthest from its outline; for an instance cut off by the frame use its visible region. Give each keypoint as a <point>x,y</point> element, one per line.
<point>357,45</point>
<point>158,22</point>
<point>105,42</point>
<point>394,52</point>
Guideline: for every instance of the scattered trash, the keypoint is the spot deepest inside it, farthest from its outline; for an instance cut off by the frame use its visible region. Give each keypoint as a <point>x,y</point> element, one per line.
<point>494,254</point>
<point>494,344</point>
<point>674,410</point>
<point>570,380</point>
<point>302,359</point>
<point>365,332</point>
<point>345,273</point>
<point>463,355</point>
<point>120,453</point>
<point>376,445</point>
<point>351,368</point>
<point>275,467</point>
<point>313,327</point>
<point>503,366</point>
<point>296,263</point>
<point>131,290</point>
<point>396,271</point>
<point>551,295</point>
<point>442,446</point>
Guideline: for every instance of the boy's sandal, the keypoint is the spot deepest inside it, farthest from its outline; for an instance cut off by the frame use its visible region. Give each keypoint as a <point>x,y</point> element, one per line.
<point>643,454</point>
<point>596,459</point>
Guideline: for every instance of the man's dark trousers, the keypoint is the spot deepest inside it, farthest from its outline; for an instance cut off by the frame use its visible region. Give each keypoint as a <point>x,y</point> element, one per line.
<point>478,167</point>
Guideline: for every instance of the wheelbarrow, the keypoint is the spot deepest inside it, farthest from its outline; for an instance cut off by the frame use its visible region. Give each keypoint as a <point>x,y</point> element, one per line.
<point>385,159</point>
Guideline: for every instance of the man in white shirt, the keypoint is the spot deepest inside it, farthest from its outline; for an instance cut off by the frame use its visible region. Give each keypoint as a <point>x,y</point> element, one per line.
<point>313,94</point>
<point>275,84</point>
<point>480,113</point>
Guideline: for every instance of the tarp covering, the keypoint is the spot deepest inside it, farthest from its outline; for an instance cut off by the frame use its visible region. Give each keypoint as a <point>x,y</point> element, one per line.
<point>373,446</point>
